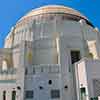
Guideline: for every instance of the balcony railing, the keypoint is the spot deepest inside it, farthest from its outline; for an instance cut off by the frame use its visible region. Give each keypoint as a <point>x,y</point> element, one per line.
<point>44,68</point>
<point>9,74</point>
<point>54,68</point>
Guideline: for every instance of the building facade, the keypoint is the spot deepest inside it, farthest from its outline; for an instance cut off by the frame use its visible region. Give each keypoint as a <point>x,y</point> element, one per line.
<point>40,52</point>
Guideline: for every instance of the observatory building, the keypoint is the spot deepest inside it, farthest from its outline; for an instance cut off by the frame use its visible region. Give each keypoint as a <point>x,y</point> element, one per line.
<point>52,53</point>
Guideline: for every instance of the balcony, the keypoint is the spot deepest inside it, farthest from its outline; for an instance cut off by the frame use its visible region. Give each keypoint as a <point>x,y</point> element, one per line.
<point>44,69</point>
<point>8,75</point>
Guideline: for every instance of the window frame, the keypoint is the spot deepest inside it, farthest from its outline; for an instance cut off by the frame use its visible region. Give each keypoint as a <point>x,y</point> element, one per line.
<point>55,93</point>
<point>28,95</point>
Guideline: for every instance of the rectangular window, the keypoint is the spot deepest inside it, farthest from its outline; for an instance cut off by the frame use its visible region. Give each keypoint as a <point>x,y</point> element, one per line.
<point>55,94</point>
<point>29,94</point>
<point>33,70</point>
<point>83,93</point>
<point>75,56</point>
<point>4,95</point>
<point>96,87</point>
<point>13,95</point>
<point>95,98</point>
<point>83,90</point>
<point>26,71</point>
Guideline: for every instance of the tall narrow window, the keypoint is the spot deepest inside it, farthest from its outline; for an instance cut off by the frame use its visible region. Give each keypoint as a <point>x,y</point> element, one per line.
<point>26,71</point>
<point>13,95</point>
<point>83,93</point>
<point>75,56</point>
<point>4,95</point>
<point>33,70</point>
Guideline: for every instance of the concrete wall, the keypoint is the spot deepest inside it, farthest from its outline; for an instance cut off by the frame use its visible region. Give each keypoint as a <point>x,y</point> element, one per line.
<point>87,70</point>
<point>41,43</point>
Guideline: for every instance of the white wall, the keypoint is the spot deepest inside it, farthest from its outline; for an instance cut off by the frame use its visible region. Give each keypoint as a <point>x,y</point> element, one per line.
<point>88,70</point>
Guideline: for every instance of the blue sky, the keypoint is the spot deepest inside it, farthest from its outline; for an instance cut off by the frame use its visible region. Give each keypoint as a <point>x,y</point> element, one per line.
<point>12,10</point>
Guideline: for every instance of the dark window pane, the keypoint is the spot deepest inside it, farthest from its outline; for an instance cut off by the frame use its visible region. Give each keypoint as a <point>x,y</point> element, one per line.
<point>26,71</point>
<point>13,95</point>
<point>29,94</point>
<point>55,94</point>
<point>75,56</point>
<point>95,98</point>
<point>83,93</point>
<point>82,90</point>
<point>33,70</point>
<point>4,95</point>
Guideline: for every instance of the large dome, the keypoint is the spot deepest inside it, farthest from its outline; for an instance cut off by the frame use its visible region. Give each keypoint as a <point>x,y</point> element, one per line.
<point>53,9</point>
<point>45,21</point>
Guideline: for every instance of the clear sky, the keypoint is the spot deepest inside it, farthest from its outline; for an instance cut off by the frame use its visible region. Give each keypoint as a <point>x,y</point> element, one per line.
<point>12,10</point>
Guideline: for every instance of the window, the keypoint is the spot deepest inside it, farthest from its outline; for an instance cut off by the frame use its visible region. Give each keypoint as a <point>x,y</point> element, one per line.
<point>33,70</point>
<point>26,71</point>
<point>83,90</point>
<point>29,94</point>
<point>55,94</point>
<point>41,69</point>
<point>96,87</point>
<point>13,95</point>
<point>95,98</point>
<point>75,56</point>
<point>4,95</point>
<point>83,93</point>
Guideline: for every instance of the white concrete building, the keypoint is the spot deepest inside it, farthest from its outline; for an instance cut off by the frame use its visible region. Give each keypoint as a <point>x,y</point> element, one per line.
<point>37,62</point>
<point>88,74</point>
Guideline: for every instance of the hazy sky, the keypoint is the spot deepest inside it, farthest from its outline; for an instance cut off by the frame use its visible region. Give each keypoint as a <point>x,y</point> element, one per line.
<point>12,10</point>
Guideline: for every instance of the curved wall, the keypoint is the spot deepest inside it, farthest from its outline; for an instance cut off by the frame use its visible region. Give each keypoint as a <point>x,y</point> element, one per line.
<point>45,28</point>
